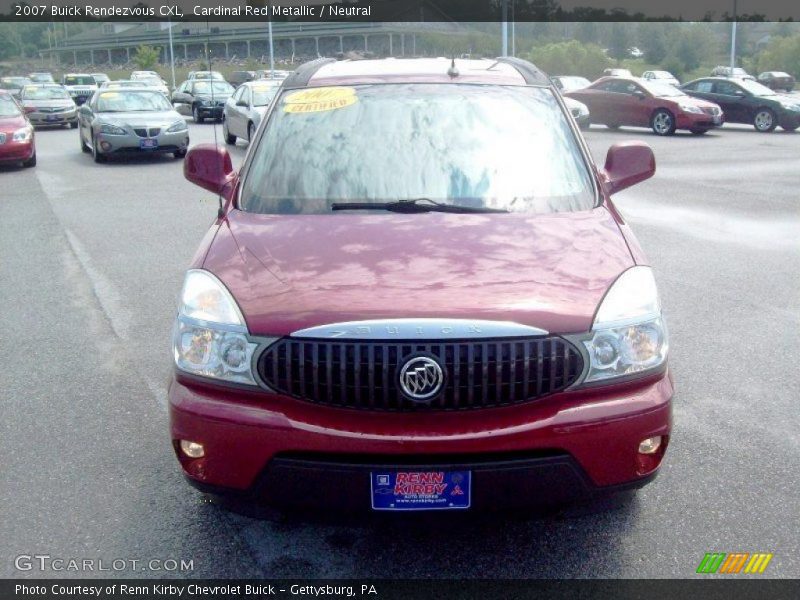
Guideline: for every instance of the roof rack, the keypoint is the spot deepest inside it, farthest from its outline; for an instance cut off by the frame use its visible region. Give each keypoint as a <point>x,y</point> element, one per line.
<point>300,77</point>
<point>530,72</point>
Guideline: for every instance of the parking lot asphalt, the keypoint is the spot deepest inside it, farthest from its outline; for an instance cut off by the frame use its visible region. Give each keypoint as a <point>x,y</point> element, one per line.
<point>91,261</point>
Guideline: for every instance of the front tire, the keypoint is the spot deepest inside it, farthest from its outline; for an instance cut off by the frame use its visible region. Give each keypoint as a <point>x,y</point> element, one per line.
<point>73,125</point>
<point>251,130</point>
<point>229,139</point>
<point>31,162</point>
<point>84,147</point>
<point>196,115</point>
<point>179,154</point>
<point>765,121</point>
<point>96,154</point>
<point>663,122</point>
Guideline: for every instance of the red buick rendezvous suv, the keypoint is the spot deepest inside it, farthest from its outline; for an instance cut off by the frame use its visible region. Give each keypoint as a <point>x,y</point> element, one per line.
<point>418,295</point>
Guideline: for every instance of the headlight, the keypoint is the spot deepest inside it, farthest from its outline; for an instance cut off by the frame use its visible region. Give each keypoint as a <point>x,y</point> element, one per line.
<point>177,126</point>
<point>112,129</point>
<point>690,108</point>
<point>790,106</point>
<point>210,338</point>
<point>22,135</point>
<point>629,335</point>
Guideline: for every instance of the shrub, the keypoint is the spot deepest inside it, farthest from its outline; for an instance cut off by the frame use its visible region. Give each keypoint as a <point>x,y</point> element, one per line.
<point>570,58</point>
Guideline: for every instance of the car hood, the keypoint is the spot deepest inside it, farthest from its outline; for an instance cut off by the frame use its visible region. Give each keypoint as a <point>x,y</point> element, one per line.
<point>141,119</point>
<point>9,125</point>
<point>292,272</point>
<point>692,101</point>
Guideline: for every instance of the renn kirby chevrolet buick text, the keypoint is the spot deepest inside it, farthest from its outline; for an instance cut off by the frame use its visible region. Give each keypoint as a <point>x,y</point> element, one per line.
<point>418,295</point>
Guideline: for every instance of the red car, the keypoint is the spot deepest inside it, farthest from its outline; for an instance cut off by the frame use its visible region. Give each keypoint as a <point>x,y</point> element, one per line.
<point>615,101</point>
<point>419,295</point>
<point>17,144</point>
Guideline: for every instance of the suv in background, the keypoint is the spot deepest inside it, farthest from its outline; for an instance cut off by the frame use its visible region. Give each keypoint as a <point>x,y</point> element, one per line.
<point>80,86</point>
<point>418,295</point>
<point>237,78</point>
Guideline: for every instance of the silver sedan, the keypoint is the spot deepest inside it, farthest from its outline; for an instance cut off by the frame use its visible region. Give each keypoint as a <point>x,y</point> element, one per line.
<point>131,121</point>
<point>48,104</point>
<point>243,110</point>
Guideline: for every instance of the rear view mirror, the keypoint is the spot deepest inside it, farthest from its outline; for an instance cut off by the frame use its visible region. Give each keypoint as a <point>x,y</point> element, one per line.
<point>628,163</point>
<point>210,167</point>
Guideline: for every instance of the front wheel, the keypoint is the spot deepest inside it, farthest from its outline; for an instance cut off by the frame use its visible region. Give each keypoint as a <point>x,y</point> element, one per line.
<point>179,154</point>
<point>31,162</point>
<point>196,115</point>
<point>229,139</point>
<point>251,130</point>
<point>84,147</point>
<point>764,121</point>
<point>663,122</point>
<point>73,125</point>
<point>96,154</point>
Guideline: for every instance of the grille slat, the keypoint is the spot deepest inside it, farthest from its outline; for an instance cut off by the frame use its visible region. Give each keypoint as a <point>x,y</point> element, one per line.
<point>363,374</point>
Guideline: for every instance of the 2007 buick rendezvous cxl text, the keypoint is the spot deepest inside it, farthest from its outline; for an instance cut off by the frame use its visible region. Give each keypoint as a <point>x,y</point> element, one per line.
<point>418,295</point>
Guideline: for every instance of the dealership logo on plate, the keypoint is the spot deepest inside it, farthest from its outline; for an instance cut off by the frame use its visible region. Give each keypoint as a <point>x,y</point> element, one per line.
<point>421,378</point>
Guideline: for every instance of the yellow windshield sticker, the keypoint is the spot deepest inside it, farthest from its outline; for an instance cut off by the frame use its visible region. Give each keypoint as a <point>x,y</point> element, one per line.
<point>105,95</point>
<point>319,99</point>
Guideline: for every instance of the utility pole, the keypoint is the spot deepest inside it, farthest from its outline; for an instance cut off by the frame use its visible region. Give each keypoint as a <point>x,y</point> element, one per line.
<point>171,54</point>
<point>733,39</point>
<point>504,25</point>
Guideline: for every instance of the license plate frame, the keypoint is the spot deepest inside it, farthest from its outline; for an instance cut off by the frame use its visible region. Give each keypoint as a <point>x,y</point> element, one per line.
<point>52,118</point>
<point>420,490</point>
<point>148,144</point>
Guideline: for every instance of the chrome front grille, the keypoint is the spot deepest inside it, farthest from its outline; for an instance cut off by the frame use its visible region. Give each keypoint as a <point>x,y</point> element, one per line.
<point>364,374</point>
<point>144,132</point>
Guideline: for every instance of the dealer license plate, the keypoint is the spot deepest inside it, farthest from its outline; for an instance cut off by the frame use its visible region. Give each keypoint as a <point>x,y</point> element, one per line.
<point>148,144</point>
<point>420,490</point>
<point>52,118</point>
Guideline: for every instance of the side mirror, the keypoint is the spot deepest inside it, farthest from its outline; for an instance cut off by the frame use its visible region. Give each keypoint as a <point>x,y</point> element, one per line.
<point>210,167</point>
<point>639,94</point>
<point>628,163</point>
<point>241,103</point>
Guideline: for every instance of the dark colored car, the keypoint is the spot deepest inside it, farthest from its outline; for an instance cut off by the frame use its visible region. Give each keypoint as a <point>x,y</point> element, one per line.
<point>204,97</point>
<point>237,78</point>
<point>777,80</point>
<point>746,101</point>
<point>616,101</point>
<point>17,138</point>
<point>419,295</point>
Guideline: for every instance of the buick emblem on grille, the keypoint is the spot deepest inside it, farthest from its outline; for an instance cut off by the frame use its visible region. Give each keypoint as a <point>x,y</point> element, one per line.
<point>421,378</point>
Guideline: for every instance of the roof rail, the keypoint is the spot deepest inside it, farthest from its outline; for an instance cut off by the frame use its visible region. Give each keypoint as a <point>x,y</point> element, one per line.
<point>300,77</point>
<point>530,72</point>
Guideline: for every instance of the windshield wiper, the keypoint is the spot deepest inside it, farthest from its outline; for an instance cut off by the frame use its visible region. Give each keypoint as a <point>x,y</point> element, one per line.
<point>416,205</point>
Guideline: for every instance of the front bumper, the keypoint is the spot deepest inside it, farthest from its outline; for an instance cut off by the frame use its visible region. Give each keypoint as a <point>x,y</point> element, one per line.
<point>59,118</point>
<point>288,452</point>
<point>699,121</point>
<point>131,143</point>
<point>214,112</point>
<point>17,151</point>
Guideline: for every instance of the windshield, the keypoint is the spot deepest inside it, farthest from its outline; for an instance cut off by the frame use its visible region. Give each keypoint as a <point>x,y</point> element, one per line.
<point>79,80</point>
<point>122,84</point>
<point>477,146</point>
<point>661,90</point>
<point>755,88</point>
<point>263,94</point>
<point>129,101</point>
<point>8,108</point>
<point>100,77</point>
<point>151,81</point>
<point>42,77</point>
<point>220,87</point>
<point>44,93</point>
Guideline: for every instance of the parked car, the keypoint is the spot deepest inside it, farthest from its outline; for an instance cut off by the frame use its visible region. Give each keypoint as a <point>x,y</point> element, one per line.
<point>244,109</point>
<point>216,75</point>
<point>737,73</point>
<point>746,101</point>
<point>777,80</point>
<point>156,83</point>
<point>136,75</point>
<point>418,295</point>
<point>13,85</point>
<point>131,121</point>
<point>120,83</point>
<point>579,111</point>
<point>566,83</point>
<point>100,78</point>
<point>272,74</point>
<point>41,77</point>
<point>48,104</point>
<point>661,76</point>
<point>17,138</point>
<point>237,78</point>
<point>205,98</point>
<point>80,86</point>
<point>616,101</point>
<point>617,73</point>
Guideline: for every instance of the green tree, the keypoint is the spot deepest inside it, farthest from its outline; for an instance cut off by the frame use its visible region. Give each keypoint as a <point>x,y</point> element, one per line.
<point>570,58</point>
<point>146,57</point>
<point>653,42</point>
<point>619,41</point>
<point>781,54</point>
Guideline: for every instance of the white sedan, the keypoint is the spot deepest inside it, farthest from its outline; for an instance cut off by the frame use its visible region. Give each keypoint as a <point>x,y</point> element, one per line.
<point>244,109</point>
